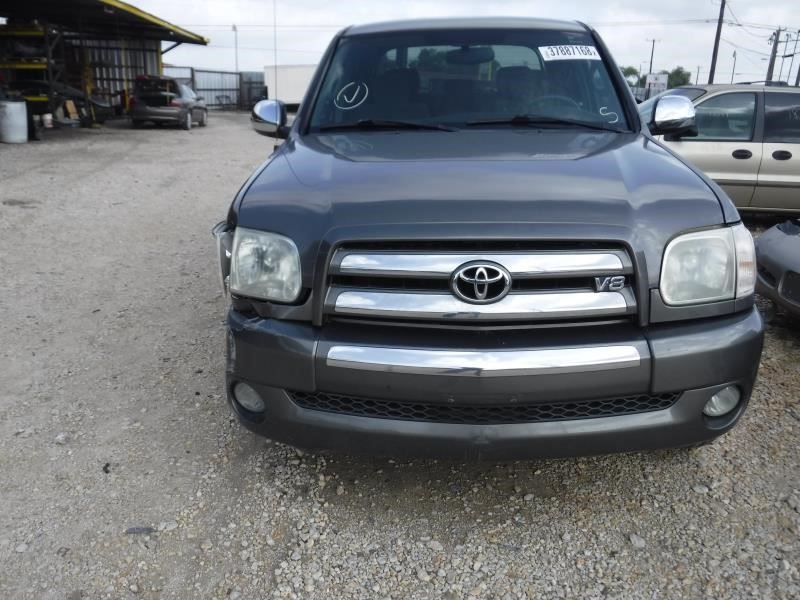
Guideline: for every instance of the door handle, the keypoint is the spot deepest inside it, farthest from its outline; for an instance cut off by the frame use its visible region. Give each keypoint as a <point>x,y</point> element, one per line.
<point>741,154</point>
<point>781,155</point>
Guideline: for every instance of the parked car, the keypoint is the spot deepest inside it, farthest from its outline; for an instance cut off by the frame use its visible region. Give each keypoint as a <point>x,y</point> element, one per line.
<point>166,100</point>
<point>748,141</point>
<point>778,254</point>
<point>469,245</point>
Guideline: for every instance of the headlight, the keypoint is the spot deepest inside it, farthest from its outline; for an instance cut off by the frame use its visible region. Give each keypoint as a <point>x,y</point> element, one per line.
<point>708,266</point>
<point>265,266</point>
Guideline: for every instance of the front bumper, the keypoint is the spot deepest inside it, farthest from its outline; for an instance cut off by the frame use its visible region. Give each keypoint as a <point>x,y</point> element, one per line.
<point>778,254</point>
<point>468,368</point>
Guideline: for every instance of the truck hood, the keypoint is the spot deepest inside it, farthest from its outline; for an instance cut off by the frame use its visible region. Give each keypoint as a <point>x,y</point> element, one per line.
<point>480,184</point>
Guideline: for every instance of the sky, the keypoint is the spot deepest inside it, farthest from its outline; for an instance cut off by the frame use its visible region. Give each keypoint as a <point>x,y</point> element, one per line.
<point>683,29</point>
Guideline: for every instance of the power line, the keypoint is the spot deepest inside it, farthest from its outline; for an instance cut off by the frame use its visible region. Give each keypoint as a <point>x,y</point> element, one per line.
<point>263,49</point>
<point>742,48</point>
<point>753,61</point>
<point>640,23</point>
<point>269,26</point>
<point>311,26</point>
<point>738,23</point>
<point>257,26</point>
<point>765,26</point>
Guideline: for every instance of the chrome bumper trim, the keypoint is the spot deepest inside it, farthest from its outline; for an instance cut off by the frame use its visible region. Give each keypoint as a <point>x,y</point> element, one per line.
<point>514,306</point>
<point>483,363</point>
<point>529,264</point>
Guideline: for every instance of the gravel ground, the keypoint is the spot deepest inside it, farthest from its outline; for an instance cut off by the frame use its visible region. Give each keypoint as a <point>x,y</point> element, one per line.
<point>123,475</point>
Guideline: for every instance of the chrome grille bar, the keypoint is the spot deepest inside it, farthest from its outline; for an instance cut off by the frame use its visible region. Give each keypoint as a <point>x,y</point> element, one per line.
<point>528,264</point>
<point>467,363</point>
<point>546,283</point>
<point>420,305</point>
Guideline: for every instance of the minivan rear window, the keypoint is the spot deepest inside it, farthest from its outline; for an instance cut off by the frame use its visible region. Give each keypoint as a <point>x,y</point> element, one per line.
<point>782,118</point>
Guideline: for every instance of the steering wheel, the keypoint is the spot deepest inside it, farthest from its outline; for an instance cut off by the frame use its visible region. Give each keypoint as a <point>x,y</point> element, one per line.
<point>566,99</point>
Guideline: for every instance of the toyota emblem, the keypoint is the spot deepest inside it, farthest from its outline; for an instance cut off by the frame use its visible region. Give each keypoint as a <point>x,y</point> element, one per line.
<point>480,282</point>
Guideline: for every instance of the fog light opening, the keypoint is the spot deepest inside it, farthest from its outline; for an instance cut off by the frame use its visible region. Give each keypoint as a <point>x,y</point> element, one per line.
<point>248,398</point>
<point>723,402</point>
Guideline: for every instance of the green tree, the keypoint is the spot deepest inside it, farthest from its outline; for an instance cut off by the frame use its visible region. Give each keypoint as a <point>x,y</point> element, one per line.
<point>631,75</point>
<point>678,77</point>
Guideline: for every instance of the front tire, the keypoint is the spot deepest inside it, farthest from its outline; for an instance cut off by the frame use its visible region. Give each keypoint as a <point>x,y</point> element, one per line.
<point>204,119</point>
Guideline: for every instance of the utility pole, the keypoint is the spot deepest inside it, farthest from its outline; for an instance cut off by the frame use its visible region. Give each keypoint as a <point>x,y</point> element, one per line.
<point>734,66</point>
<point>697,77</point>
<point>236,46</point>
<point>776,37</point>
<point>783,57</point>
<point>652,51</point>
<point>794,52</point>
<point>716,42</point>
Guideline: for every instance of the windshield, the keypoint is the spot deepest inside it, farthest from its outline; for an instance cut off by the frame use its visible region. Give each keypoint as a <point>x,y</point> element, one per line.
<point>456,77</point>
<point>646,107</point>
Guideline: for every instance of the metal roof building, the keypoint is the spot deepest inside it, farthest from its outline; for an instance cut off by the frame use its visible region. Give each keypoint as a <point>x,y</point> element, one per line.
<point>97,47</point>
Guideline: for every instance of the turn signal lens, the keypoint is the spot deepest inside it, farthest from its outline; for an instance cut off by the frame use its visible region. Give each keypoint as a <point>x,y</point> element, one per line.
<point>745,261</point>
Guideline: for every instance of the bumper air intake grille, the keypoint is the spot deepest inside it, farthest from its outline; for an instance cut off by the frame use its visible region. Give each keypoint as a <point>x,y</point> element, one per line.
<point>480,414</point>
<point>791,287</point>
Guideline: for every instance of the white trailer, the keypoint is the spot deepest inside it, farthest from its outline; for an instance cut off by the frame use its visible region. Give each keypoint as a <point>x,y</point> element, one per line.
<point>292,82</point>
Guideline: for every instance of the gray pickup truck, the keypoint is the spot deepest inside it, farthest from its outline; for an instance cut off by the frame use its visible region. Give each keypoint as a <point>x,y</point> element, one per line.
<point>469,245</point>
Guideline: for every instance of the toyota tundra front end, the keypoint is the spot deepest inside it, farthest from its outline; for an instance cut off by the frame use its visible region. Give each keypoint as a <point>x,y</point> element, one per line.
<point>468,245</point>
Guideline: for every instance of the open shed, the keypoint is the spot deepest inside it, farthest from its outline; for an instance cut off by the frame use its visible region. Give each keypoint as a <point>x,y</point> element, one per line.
<point>52,51</point>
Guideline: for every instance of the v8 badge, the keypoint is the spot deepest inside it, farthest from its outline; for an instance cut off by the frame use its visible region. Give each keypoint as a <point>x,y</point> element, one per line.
<point>609,284</point>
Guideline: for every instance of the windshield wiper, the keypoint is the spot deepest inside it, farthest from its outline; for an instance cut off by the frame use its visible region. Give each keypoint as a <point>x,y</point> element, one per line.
<point>366,124</point>
<point>537,120</point>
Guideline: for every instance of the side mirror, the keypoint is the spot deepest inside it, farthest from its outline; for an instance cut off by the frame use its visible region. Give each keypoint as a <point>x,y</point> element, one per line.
<point>269,118</point>
<point>674,116</point>
<point>199,98</point>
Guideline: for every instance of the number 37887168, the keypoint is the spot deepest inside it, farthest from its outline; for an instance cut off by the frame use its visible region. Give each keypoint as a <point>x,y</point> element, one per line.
<point>569,52</point>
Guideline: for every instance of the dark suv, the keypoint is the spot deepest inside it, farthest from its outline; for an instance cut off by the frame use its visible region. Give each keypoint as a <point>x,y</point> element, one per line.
<point>469,245</point>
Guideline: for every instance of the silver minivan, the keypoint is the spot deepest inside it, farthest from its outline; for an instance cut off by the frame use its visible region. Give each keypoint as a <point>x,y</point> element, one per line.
<point>748,141</point>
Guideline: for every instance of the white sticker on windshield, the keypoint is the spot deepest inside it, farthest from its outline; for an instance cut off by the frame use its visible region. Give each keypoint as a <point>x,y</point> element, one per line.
<point>569,53</point>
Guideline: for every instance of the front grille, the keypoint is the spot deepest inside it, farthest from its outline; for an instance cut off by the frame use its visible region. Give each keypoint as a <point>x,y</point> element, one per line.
<point>480,414</point>
<point>791,287</point>
<point>418,281</point>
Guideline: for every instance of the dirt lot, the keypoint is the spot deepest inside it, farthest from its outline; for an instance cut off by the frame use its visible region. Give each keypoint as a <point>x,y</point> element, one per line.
<point>123,475</point>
